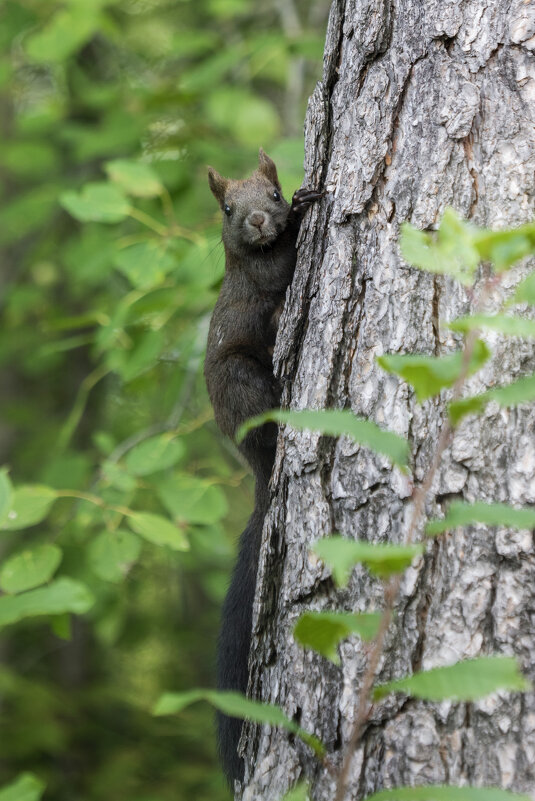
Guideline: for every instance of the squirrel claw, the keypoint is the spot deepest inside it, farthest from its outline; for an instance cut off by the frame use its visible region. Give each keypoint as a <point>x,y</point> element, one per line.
<point>303,198</point>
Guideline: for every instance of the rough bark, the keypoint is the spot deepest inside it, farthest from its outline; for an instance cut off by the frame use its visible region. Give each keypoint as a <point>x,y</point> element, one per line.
<point>422,105</point>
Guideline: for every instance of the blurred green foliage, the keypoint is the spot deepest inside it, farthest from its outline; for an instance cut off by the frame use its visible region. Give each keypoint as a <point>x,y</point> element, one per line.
<point>120,501</point>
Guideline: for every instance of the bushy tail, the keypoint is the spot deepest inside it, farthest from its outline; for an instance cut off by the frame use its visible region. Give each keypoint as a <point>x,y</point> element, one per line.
<point>235,639</point>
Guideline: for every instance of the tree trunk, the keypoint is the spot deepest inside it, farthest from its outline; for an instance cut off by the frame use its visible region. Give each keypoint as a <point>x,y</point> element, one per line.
<point>422,105</point>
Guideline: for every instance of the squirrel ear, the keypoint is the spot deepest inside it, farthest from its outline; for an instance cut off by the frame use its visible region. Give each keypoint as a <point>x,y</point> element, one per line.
<point>218,185</point>
<point>267,167</point>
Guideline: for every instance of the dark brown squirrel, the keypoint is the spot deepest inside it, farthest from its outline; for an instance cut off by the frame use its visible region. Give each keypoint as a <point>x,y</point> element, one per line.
<point>259,235</point>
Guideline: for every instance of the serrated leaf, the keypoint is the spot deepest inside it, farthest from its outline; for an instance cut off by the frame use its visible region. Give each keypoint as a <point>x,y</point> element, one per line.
<point>145,264</point>
<point>97,202</point>
<point>382,560</point>
<point>135,177</point>
<point>464,681</point>
<point>521,391</point>
<point>428,375</point>
<point>112,554</point>
<point>26,787</point>
<point>446,793</point>
<point>60,596</point>
<point>336,423</point>
<point>237,706</point>
<point>30,504</point>
<point>30,568</point>
<point>525,291</point>
<point>191,499</point>
<point>491,514</point>
<point>323,631</point>
<point>6,495</point>
<point>158,530</point>
<point>155,453</point>
<point>504,324</point>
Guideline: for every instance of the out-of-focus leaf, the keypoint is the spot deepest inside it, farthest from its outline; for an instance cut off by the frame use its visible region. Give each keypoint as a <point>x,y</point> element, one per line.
<point>97,202</point>
<point>383,560</point>
<point>491,514</point>
<point>336,423</point>
<point>250,118</point>
<point>323,631</point>
<point>158,530</point>
<point>135,177</point>
<point>29,505</point>
<point>155,453</point>
<point>464,681</point>
<point>66,32</point>
<point>505,248</point>
<point>61,595</point>
<point>525,291</point>
<point>29,568</point>
<point>112,554</point>
<point>191,499</point>
<point>504,324</point>
<point>521,391</point>
<point>237,706</point>
<point>145,264</point>
<point>6,494</point>
<point>430,374</point>
<point>26,788</point>
<point>446,793</point>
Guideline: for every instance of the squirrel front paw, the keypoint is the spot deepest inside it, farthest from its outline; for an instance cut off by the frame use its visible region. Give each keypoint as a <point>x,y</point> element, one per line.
<point>303,198</point>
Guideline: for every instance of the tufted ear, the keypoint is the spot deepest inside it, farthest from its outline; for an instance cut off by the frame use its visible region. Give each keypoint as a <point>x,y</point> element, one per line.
<point>267,167</point>
<point>218,185</point>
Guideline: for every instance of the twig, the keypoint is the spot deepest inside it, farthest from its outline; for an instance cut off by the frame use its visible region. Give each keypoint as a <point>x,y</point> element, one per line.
<point>392,587</point>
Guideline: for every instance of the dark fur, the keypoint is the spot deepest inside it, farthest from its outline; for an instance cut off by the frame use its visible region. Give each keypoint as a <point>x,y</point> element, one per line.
<point>259,239</point>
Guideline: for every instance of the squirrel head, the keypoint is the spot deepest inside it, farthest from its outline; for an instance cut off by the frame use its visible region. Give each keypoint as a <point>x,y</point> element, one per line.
<point>254,210</point>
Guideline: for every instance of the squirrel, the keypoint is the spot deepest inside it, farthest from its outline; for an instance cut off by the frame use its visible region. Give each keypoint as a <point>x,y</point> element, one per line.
<point>259,236</point>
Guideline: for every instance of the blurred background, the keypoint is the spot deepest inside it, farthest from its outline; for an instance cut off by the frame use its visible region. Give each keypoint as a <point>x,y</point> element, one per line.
<point>119,499</point>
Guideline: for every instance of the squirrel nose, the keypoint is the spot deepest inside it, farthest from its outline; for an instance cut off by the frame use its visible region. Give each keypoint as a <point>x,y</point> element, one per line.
<point>257,219</point>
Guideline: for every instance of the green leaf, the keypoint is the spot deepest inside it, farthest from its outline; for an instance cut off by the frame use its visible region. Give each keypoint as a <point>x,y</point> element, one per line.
<point>336,423</point>
<point>237,706</point>
<point>450,252</point>
<point>428,375</point>
<point>525,291</point>
<point>30,568</point>
<point>464,681</point>
<point>135,177</point>
<point>382,560</point>
<point>30,504</point>
<point>26,787</point>
<point>193,500</point>
<point>112,554</point>
<point>505,248</point>
<point>145,264</point>
<point>491,514</point>
<point>6,495</point>
<point>504,324</point>
<point>68,30</point>
<point>97,202</point>
<point>60,596</point>
<point>158,530</point>
<point>446,793</point>
<point>155,453</point>
<point>247,116</point>
<point>298,793</point>
<point>323,631</point>
<point>521,391</point>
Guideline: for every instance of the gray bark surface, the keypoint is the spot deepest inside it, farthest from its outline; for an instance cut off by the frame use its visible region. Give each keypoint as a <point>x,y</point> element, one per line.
<point>422,105</point>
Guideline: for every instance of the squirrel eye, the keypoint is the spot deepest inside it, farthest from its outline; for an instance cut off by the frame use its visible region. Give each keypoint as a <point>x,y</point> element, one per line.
<point>227,210</point>
<point>276,195</point>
